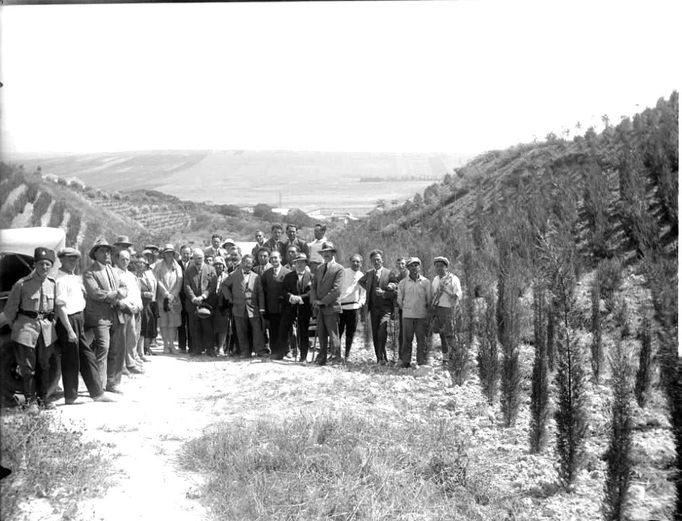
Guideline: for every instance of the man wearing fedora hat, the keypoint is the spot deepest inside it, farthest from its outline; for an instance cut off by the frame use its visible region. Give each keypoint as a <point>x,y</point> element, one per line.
<point>30,313</point>
<point>447,292</point>
<point>324,296</point>
<point>380,284</point>
<point>76,354</point>
<point>414,298</point>
<point>123,243</point>
<point>104,290</point>
<point>296,287</point>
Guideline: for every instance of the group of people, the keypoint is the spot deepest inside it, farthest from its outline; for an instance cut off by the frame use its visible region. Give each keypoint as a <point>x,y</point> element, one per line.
<point>217,301</point>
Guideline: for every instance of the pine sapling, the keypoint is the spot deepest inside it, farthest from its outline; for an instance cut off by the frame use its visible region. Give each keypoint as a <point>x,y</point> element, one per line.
<point>509,326</point>
<point>597,348</point>
<point>539,398</point>
<point>618,459</point>
<point>645,369</point>
<point>488,355</point>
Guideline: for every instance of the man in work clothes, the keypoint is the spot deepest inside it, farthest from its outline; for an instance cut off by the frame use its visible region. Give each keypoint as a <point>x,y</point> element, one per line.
<point>30,312</point>
<point>352,299</point>
<point>446,291</point>
<point>76,354</point>
<point>414,298</point>
<point>104,290</point>
<point>324,296</point>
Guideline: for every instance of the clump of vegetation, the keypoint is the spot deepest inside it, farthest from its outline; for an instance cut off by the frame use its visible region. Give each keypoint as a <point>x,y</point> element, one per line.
<point>48,460</point>
<point>488,351</point>
<point>645,369</point>
<point>539,397</point>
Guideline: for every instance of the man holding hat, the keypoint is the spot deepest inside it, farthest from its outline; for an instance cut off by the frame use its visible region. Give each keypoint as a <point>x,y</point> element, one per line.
<point>199,282</point>
<point>324,295</point>
<point>380,284</point>
<point>414,298</point>
<point>296,288</point>
<point>447,292</point>
<point>76,354</point>
<point>30,313</point>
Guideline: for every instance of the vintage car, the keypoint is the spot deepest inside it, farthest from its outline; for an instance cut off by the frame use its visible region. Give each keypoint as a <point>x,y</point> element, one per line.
<point>16,261</point>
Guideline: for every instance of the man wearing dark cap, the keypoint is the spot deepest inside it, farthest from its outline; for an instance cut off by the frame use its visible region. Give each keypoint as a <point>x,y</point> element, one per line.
<point>30,313</point>
<point>76,354</point>
<point>414,298</point>
<point>324,296</point>
<point>380,284</point>
<point>447,292</point>
<point>104,290</point>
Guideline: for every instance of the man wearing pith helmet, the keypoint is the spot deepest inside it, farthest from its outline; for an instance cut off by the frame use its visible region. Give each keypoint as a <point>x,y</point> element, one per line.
<point>447,292</point>
<point>30,313</point>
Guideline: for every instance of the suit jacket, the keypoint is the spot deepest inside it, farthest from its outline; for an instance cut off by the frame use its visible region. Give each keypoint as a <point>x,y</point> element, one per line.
<point>234,291</point>
<point>327,287</point>
<point>291,286</point>
<point>375,302</point>
<point>101,295</point>
<point>277,246</point>
<point>301,245</point>
<point>272,287</point>
<point>198,282</point>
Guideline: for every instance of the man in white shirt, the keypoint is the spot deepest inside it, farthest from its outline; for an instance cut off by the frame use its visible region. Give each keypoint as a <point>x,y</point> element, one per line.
<point>352,299</point>
<point>76,354</point>
<point>130,306</point>
<point>315,246</point>
<point>447,292</point>
<point>414,298</point>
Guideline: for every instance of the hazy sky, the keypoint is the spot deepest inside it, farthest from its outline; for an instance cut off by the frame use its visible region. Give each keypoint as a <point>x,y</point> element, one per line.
<point>452,76</point>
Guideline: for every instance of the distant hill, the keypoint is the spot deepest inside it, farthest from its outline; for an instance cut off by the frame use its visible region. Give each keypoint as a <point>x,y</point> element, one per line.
<point>306,180</point>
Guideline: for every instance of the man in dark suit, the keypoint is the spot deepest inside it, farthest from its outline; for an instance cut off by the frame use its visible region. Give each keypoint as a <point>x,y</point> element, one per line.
<point>324,296</point>
<point>184,337</point>
<point>276,241</point>
<point>274,296</point>
<point>296,307</point>
<point>263,260</point>
<point>380,284</point>
<point>244,291</point>
<point>199,281</point>
<point>293,240</point>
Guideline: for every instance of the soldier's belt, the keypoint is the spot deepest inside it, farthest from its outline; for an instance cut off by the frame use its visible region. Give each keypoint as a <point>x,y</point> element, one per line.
<point>36,314</point>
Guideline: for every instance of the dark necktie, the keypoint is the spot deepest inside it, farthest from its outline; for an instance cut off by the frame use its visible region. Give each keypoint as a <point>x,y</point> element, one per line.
<point>41,306</point>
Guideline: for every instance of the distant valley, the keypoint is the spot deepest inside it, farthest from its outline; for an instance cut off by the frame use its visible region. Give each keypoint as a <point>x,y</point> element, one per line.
<point>306,180</point>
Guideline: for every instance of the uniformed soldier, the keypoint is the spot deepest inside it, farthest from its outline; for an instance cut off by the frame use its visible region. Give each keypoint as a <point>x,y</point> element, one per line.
<point>30,312</point>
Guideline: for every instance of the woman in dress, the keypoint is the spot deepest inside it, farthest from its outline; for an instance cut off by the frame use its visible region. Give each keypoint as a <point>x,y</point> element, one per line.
<point>148,284</point>
<point>168,275</point>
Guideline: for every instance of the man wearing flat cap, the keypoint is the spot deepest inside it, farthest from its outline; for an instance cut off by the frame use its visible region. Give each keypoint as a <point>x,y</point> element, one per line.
<point>77,355</point>
<point>414,298</point>
<point>30,312</point>
<point>447,292</point>
<point>380,284</point>
<point>104,290</point>
<point>324,296</point>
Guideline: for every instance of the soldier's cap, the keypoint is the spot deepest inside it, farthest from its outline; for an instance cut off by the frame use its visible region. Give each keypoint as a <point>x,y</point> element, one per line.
<point>328,246</point>
<point>151,247</point>
<point>444,260</point>
<point>374,253</point>
<point>301,257</point>
<point>218,260</point>
<point>40,254</point>
<point>68,252</point>
<point>99,243</point>
<point>123,240</point>
<point>414,260</point>
<point>228,242</point>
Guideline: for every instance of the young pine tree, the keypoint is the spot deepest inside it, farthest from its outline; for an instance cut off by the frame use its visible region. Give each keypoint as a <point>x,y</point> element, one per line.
<point>539,398</point>
<point>645,369</point>
<point>488,352</point>
<point>597,348</point>
<point>618,460</point>
<point>509,313</point>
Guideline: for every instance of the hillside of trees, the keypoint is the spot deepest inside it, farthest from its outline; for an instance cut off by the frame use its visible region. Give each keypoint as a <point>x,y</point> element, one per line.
<point>569,247</point>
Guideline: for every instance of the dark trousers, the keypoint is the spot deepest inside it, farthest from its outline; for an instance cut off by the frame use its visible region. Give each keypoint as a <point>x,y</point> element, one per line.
<point>301,315</point>
<point>184,335</point>
<point>414,327</point>
<point>380,319</point>
<point>34,367</point>
<point>77,357</point>
<point>277,342</point>
<point>201,334</point>
<point>328,328</point>
<point>116,355</point>
<point>250,327</point>
<point>348,322</point>
<point>444,326</point>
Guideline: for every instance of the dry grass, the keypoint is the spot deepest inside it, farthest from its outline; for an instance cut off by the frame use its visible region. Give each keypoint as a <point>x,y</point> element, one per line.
<point>50,462</point>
